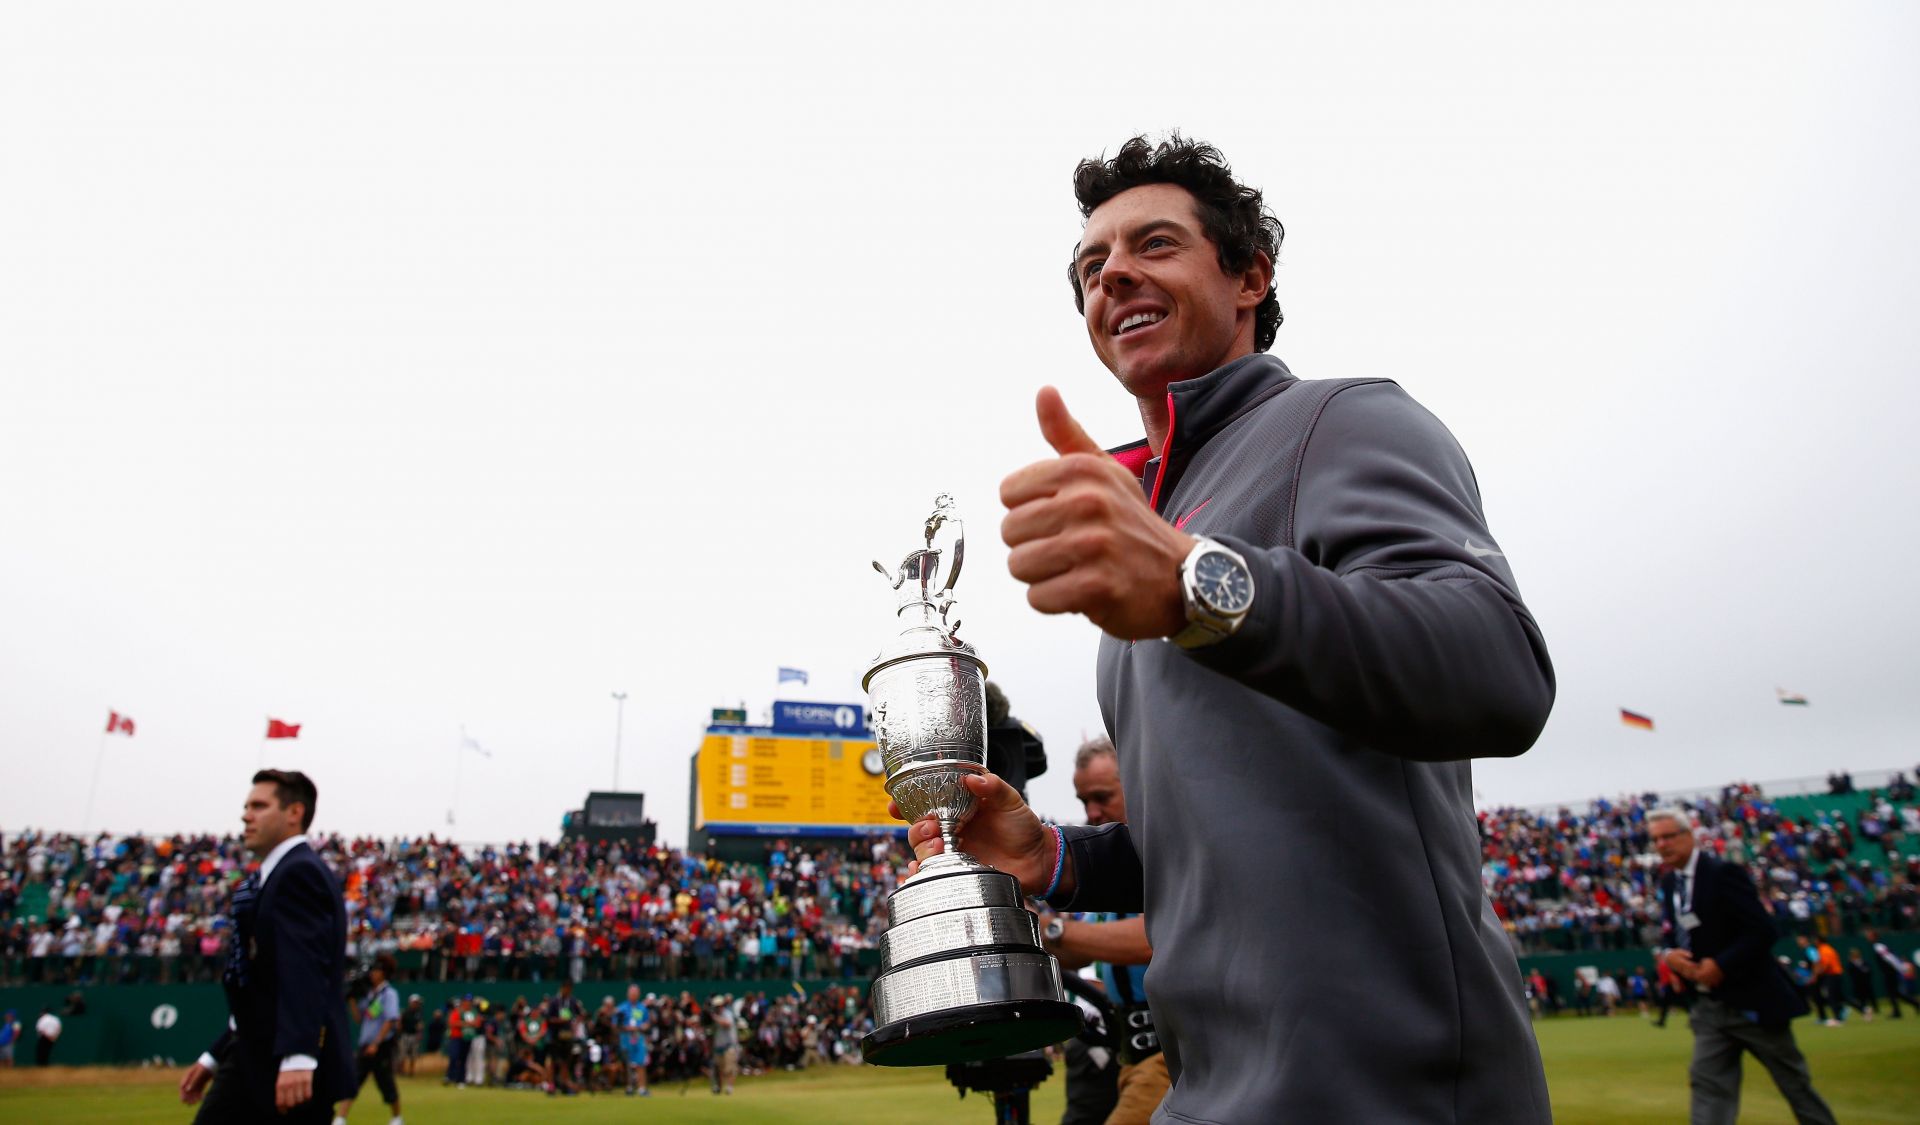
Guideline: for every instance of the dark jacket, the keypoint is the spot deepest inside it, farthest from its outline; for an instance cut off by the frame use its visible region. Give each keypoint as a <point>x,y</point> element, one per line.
<point>288,996</point>
<point>1738,933</point>
<point>1302,833</point>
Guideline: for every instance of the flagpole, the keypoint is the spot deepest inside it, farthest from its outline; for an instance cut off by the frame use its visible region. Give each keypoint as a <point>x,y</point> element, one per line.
<point>94,787</point>
<point>619,719</point>
<point>459,755</point>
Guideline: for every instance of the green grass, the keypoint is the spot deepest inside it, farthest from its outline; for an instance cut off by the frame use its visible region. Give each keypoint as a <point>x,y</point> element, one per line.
<point>1624,1070</point>
<point>826,1096</point>
<point>1599,1070</point>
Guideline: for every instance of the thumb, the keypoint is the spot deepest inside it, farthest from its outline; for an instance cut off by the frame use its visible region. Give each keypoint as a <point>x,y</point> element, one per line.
<point>994,792</point>
<point>1059,427</point>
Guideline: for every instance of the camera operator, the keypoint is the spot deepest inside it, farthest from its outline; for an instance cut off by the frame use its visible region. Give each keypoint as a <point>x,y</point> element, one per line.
<point>563,1013</point>
<point>1117,943</point>
<point>1015,752</point>
<point>377,1005</point>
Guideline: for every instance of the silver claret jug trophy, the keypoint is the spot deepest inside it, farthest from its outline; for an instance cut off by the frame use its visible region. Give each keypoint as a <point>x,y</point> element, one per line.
<point>963,976</point>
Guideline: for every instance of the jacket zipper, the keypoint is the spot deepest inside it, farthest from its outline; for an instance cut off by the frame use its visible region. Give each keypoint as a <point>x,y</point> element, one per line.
<point>1166,459</point>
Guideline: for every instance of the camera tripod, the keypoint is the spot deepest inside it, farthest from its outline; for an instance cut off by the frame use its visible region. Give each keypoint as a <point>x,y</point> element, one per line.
<point>1010,1081</point>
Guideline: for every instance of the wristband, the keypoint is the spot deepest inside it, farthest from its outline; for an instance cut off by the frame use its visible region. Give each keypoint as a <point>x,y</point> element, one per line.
<point>1059,861</point>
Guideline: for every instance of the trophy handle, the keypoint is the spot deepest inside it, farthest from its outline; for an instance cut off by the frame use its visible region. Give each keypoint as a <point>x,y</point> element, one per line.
<point>959,555</point>
<point>943,515</point>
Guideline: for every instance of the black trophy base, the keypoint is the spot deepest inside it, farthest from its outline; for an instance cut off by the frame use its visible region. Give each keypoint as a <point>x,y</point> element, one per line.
<point>972,1033</point>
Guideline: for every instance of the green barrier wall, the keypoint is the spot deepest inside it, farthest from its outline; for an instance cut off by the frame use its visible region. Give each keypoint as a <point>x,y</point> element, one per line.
<point>123,1023</point>
<point>1562,966</point>
<point>133,1023</point>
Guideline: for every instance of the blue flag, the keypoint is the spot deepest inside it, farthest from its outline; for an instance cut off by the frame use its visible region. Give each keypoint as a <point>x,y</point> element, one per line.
<point>787,674</point>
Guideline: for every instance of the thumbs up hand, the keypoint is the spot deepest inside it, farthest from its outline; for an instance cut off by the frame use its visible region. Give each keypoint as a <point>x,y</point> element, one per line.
<point>1085,540</point>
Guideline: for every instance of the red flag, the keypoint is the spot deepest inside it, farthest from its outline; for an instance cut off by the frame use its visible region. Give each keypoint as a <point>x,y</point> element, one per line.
<point>278,729</point>
<point>1635,719</point>
<point>119,724</point>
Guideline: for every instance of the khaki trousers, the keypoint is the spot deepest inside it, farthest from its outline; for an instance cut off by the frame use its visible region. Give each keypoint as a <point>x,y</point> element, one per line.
<point>1142,1085</point>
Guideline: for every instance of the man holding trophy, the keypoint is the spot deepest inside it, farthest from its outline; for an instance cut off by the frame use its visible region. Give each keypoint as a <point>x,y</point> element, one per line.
<point>1309,631</point>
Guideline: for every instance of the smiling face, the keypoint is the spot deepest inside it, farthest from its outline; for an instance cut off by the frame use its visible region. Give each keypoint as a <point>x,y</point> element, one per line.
<point>1159,308</point>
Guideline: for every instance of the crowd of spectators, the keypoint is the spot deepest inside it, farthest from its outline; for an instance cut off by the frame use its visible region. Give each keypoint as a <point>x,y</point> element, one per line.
<point>1577,881</point>
<point>1832,988</point>
<point>558,1045</point>
<point>154,908</point>
<point>140,908</point>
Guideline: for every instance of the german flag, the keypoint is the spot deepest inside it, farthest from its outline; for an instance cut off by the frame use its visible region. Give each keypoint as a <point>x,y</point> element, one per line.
<point>1635,720</point>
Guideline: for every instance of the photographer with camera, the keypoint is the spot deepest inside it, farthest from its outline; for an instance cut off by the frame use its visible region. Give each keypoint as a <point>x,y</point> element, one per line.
<point>1015,752</point>
<point>564,1014</point>
<point>376,1003</point>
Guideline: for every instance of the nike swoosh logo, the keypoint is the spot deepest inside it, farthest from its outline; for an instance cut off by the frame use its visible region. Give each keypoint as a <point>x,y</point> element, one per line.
<point>1481,552</point>
<point>1181,523</point>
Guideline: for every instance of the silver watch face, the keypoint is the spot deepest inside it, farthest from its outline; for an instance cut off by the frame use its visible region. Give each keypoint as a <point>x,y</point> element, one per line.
<point>1222,582</point>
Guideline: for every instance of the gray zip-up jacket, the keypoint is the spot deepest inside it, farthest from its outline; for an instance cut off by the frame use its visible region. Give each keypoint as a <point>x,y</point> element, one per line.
<point>1302,835</point>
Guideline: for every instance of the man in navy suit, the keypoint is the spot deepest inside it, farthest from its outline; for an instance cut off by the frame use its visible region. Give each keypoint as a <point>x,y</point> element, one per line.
<point>286,1054</point>
<point>1719,942</point>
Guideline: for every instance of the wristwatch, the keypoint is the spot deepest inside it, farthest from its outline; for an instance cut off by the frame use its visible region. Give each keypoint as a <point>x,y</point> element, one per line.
<point>1056,926</point>
<point>1218,590</point>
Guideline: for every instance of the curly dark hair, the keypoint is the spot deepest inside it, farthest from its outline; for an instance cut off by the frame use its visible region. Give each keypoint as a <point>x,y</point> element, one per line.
<point>1233,216</point>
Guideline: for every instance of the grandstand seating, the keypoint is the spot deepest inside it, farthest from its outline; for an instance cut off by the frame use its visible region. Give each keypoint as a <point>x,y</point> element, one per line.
<point>1563,880</point>
<point>1849,807</point>
<point>33,901</point>
<point>131,908</point>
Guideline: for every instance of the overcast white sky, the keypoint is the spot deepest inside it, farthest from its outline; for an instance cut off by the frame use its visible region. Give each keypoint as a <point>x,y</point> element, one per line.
<point>387,368</point>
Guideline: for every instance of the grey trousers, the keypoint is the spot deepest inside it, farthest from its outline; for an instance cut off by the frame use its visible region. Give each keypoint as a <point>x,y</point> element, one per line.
<point>1720,1034</point>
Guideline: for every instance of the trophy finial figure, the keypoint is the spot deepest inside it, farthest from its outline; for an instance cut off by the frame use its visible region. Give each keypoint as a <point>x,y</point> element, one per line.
<point>921,567</point>
<point>964,974</point>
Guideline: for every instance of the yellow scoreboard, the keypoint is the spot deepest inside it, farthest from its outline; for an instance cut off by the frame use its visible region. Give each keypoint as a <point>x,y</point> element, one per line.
<point>767,783</point>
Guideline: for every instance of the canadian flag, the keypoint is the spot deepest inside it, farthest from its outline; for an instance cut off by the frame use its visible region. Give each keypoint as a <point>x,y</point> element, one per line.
<point>278,729</point>
<point>119,724</point>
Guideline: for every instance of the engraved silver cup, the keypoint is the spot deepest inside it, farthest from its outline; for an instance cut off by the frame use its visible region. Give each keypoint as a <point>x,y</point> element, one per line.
<point>963,976</point>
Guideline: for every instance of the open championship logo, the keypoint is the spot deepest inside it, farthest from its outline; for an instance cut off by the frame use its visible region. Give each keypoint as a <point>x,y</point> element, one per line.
<point>165,1016</point>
